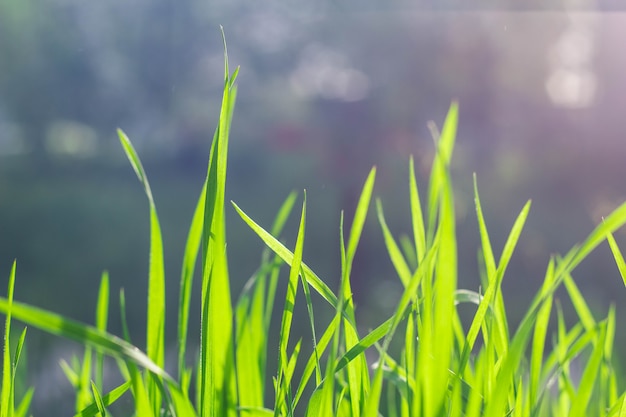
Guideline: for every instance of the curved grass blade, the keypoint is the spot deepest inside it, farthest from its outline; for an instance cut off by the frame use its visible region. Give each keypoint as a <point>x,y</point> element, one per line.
<point>395,254</point>
<point>82,333</point>
<point>155,328</point>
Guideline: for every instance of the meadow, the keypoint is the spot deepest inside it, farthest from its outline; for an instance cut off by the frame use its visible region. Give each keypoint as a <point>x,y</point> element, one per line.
<point>426,362</point>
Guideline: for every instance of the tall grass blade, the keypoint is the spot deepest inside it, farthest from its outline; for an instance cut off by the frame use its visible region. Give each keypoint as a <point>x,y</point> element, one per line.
<point>444,144</point>
<point>217,379</point>
<point>192,247</point>
<point>539,338</point>
<point>155,328</point>
<point>7,395</point>
<point>417,218</point>
<point>357,372</point>
<point>102,311</point>
<point>253,314</point>
<point>494,286</point>
<point>284,379</point>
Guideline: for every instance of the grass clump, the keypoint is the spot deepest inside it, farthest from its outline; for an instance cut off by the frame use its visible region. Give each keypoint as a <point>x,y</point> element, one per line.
<point>441,369</point>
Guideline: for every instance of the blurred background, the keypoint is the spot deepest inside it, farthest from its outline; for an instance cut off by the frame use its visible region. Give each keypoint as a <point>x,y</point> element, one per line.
<point>326,91</point>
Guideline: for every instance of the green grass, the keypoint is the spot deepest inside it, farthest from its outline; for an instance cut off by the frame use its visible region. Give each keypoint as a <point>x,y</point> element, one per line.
<point>441,368</point>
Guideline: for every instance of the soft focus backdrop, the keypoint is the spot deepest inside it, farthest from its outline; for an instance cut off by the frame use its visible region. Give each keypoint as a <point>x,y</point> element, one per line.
<point>325,92</point>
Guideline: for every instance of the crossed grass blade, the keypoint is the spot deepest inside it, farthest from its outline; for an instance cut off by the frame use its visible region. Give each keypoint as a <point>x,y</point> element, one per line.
<point>253,312</point>
<point>283,404</point>
<point>61,326</point>
<point>357,372</point>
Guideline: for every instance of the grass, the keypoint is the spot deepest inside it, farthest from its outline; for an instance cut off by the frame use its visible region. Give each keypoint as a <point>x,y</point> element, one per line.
<point>441,369</point>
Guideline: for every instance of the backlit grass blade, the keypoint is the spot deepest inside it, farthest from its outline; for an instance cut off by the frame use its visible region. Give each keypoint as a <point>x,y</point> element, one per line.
<point>24,406</point>
<point>7,395</point>
<point>312,362</point>
<point>395,254</point>
<point>82,333</point>
<point>587,382</point>
<point>102,311</point>
<point>359,219</point>
<point>130,371</point>
<point>614,221</point>
<point>487,251</point>
<point>494,287</point>
<point>253,313</point>
<point>217,379</point>
<point>617,254</point>
<point>512,358</point>
<point>444,143</point>
<point>107,400</point>
<point>155,327</point>
<point>580,305</point>
<point>357,371</point>
<point>84,394</point>
<point>417,218</point>
<point>276,230</point>
<point>192,247</point>
<point>287,256</point>
<point>284,380</point>
<point>372,403</point>
<point>309,306</point>
<point>539,339</point>
<point>98,400</point>
<point>444,289</point>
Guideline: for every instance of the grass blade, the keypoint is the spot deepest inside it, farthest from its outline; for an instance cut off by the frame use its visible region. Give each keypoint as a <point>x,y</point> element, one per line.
<point>7,394</point>
<point>102,311</point>
<point>217,390</point>
<point>98,400</point>
<point>82,333</point>
<point>617,254</point>
<point>107,400</point>
<point>587,382</point>
<point>287,256</point>
<point>284,379</point>
<point>357,372</point>
<point>192,247</point>
<point>155,327</point>
<point>400,264</point>
<point>417,218</point>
